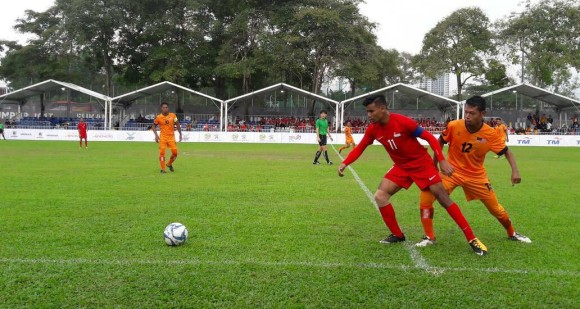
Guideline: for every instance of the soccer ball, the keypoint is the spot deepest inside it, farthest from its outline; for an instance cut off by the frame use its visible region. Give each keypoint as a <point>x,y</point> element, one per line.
<point>175,234</point>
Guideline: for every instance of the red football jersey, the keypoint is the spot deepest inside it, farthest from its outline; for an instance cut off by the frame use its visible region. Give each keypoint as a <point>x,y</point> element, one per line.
<point>398,138</point>
<point>82,127</point>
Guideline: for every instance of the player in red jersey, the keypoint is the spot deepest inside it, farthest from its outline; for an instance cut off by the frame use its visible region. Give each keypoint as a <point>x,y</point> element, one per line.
<point>412,163</point>
<point>82,128</point>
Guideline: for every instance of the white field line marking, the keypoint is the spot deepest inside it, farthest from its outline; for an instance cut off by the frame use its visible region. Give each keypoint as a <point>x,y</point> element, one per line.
<point>416,257</point>
<point>129,262</point>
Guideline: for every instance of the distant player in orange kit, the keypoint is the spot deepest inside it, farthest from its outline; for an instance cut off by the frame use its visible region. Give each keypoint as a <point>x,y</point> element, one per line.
<point>348,135</point>
<point>167,123</point>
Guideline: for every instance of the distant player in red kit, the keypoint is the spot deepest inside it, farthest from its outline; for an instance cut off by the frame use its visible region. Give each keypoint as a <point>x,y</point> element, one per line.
<point>412,163</point>
<point>82,127</point>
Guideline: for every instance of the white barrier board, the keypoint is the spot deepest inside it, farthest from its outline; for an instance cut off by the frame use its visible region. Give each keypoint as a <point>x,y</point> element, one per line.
<point>252,137</point>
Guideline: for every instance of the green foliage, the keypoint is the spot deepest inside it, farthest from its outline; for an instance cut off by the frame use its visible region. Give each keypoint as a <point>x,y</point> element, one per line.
<point>458,45</point>
<point>547,34</point>
<point>83,228</point>
<point>496,73</point>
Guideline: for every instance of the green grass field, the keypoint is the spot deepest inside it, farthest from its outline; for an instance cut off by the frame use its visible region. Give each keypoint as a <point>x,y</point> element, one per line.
<point>84,228</point>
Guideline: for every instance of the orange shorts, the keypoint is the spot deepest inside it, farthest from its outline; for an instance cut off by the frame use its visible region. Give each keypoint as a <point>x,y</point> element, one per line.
<point>167,143</point>
<point>474,188</point>
<point>350,140</point>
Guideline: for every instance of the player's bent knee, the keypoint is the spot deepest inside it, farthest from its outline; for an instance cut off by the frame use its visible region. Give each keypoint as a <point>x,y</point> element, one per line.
<point>382,198</point>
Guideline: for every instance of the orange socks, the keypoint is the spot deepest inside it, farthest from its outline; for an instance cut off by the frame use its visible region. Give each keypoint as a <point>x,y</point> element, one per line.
<point>427,213</point>
<point>162,162</point>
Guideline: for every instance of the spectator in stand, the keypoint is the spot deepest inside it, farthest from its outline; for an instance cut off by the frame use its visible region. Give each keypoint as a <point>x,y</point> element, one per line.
<point>529,121</point>
<point>575,126</point>
<point>550,119</point>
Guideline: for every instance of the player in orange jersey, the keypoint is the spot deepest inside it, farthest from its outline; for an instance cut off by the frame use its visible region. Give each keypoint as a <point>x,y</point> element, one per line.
<point>502,130</point>
<point>167,123</point>
<point>469,140</point>
<point>348,135</point>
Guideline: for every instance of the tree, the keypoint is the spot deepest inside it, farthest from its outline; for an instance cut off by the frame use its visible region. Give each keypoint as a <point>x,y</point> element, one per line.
<point>92,27</point>
<point>49,54</point>
<point>458,45</point>
<point>323,34</point>
<point>496,73</point>
<point>544,39</point>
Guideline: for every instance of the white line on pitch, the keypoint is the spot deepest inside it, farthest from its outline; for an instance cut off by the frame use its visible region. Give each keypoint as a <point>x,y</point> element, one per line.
<point>435,270</point>
<point>416,257</point>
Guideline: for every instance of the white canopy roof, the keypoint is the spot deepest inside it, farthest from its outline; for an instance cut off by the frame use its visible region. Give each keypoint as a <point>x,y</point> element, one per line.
<point>538,93</point>
<point>160,87</point>
<point>412,91</point>
<point>282,86</point>
<point>19,96</point>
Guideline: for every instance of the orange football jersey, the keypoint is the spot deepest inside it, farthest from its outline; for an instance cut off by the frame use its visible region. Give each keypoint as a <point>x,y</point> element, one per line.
<point>467,150</point>
<point>166,125</point>
<point>501,130</point>
<point>347,132</point>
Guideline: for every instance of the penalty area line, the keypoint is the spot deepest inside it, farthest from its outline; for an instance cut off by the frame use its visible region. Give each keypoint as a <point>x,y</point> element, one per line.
<point>130,262</point>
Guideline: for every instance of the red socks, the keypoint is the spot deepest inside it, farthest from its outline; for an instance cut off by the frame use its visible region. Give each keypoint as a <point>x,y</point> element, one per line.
<point>388,214</point>
<point>458,217</point>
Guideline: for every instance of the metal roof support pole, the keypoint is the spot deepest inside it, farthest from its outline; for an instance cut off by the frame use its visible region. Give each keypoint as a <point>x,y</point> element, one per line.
<point>222,117</point>
<point>226,117</point>
<point>342,116</point>
<point>337,118</point>
<point>105,116</point>
<point>110,115</point>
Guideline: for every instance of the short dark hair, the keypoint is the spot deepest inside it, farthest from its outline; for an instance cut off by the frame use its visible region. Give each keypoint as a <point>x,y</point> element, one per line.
<point>378,100</point>
<point>323,112</point>
<point>476,101</point>
<point>164,103</point>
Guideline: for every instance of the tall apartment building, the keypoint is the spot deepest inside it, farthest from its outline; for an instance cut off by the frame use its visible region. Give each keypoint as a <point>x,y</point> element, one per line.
<point>438,85</point>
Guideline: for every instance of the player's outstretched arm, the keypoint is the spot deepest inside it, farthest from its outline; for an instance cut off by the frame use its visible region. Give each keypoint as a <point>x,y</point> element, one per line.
<point>515,178</point>
<point>445,167</point>
<point>154,129</point>
<point>341,169</point>
<point>355,153</point>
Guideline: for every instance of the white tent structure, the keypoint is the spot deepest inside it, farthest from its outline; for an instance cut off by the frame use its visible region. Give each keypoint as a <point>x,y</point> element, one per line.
<point>21,95</point>
<point>161,87</point>
<point>562,103</point>
<point>409,90</point>
<point>281,86</point>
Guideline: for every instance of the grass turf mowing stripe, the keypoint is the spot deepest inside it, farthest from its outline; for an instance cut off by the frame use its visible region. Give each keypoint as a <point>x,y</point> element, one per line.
<point>416,257</point>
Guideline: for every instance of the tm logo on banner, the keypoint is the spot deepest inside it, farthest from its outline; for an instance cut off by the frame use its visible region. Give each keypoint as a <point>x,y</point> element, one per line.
<point>555,141</point>
<point>525,141</point>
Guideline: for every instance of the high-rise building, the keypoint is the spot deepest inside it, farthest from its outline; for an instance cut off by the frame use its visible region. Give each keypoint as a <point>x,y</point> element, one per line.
<point>438,85</point>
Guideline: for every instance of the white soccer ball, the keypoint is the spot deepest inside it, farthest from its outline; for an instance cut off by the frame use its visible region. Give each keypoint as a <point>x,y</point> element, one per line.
<point>175,234</point>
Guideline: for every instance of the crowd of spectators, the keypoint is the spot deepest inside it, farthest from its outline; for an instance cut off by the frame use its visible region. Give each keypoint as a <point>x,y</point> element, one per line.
<point>535,124</point>
<point>52,122</point>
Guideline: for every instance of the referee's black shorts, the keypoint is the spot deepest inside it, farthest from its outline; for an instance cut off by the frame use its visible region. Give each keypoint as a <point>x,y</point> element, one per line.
<point>322,140</point>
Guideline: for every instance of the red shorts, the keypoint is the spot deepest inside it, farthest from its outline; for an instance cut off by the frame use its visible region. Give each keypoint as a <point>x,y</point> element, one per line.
<point>423,176</point>
<point>81,135</point>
